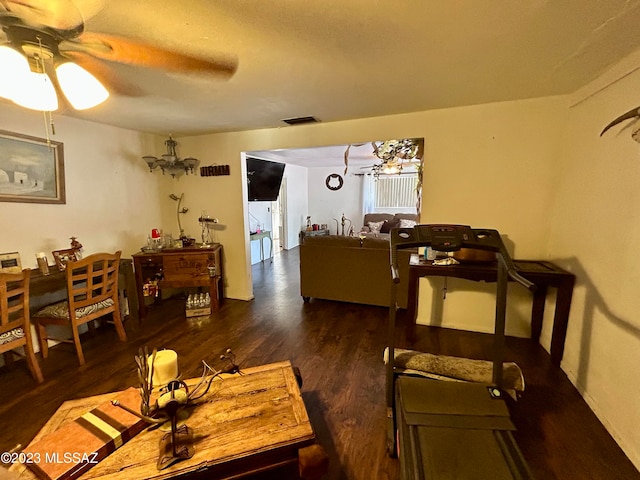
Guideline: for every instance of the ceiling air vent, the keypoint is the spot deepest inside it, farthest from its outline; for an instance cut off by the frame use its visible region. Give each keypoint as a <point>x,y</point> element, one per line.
<point>300,120</point>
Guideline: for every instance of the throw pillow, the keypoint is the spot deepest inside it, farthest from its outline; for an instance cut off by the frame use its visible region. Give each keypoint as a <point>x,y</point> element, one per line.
<point>387,226</point>
<point>406,223</point>
<point>375,226</point>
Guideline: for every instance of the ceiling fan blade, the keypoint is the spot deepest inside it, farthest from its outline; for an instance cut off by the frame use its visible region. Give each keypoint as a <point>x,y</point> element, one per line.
<point>346,159</point>
<point>133,52</point>
<point>60,15</point>
<point>106,75</point>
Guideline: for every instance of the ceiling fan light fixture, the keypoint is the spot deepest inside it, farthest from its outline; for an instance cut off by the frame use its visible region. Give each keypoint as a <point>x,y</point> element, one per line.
<point>391,168</point>
<point>81,88</point>
<point>15,66</point>
<point>36,92</point>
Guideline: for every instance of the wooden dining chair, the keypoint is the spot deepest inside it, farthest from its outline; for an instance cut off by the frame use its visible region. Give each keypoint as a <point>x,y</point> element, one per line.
<point>92,292</point>
<point>15,326</point>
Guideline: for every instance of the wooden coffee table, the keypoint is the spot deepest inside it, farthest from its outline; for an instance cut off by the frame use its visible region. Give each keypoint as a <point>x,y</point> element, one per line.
<point>250,423</point>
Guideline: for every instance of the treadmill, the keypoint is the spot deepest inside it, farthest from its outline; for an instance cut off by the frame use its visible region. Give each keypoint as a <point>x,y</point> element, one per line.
<point>452,430</point>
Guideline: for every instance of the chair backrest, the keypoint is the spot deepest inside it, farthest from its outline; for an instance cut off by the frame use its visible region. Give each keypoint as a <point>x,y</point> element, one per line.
<point>93,279</point>
<point>14,300</point>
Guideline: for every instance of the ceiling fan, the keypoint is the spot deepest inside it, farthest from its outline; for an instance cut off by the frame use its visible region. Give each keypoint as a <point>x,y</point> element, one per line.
<point>44,47</point>
<point>394,155</point>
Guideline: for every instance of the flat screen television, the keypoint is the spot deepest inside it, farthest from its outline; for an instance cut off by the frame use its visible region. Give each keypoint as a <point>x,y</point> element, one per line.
<point>264,179</point>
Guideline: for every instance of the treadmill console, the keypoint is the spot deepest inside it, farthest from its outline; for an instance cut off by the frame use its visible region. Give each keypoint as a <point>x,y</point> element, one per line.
<point>447,238</point>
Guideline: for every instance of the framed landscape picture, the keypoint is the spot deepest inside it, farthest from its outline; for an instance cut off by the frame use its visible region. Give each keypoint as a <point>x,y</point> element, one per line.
<point>31,169</point>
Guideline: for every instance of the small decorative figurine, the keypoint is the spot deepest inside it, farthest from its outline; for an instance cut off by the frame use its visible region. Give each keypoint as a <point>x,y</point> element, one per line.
<point>76,246</point>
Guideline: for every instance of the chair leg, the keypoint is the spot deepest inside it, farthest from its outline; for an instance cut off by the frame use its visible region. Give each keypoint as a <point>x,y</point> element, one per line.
<point>32,363</point>
<point>8,357</point>
<point>42,339</point>
<point>76,341</point>
<point>117,321</point>
<point>91,327</point>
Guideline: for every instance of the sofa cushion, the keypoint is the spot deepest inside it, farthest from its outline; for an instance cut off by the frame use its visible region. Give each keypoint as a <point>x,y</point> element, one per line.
<point>407,216</point>
<point>406,223</point>
<point>388,225</point>
<point>377,217</point>
<point>375,227</point>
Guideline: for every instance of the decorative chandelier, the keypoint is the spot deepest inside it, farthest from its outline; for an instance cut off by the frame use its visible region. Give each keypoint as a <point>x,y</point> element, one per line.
<point>25,80</point>
<point>170,161</point>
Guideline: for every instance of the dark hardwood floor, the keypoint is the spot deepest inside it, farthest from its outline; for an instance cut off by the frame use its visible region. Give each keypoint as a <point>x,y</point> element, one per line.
<point>338,349</point>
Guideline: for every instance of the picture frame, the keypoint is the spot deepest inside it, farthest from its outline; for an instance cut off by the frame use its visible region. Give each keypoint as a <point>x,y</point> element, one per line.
<point>10,262</point>
<point>63,256</point>
<point>31,169</point>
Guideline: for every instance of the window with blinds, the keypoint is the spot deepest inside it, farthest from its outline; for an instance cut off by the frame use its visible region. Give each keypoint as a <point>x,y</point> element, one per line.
<point>396,191</point>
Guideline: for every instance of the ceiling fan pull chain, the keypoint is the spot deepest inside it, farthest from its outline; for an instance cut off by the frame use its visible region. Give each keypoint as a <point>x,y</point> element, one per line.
<point>48,122</point>
<point>46,129</point>
<point>51,124</point>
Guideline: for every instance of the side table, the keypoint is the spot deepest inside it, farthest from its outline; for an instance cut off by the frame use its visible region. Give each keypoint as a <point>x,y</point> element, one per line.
<point>261,236</point>
<point>542,273</point>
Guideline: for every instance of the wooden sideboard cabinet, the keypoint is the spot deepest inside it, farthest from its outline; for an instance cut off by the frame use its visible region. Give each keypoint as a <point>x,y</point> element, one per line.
<point>180,268</point>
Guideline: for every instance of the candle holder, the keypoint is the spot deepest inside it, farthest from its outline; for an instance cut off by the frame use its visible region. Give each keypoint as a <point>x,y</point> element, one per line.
<point>170,409</point>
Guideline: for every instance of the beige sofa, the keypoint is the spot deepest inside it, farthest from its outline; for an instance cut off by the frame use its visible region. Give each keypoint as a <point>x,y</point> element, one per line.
<point>350,269</point>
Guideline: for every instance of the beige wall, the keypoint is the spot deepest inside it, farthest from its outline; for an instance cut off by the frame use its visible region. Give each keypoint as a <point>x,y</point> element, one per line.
<point>489,166</point>
<point>595,231</point>
<point>111,199</point>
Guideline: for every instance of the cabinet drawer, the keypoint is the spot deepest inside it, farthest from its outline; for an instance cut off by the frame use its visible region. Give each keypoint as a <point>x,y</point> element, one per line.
<point>187,267</point>
<point>149,261</point>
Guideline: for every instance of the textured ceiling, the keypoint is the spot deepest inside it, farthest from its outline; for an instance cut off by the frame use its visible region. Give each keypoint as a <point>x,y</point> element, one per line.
<point>344,59</point>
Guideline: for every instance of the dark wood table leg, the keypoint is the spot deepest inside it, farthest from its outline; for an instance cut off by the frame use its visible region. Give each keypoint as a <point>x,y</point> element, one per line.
<point>131,291</point>
<point>313,462</point>
<point>412,294</point>
<point>537,311</point>
<point>412,303</point>
<point>561,319</point>
<point>214,292</point>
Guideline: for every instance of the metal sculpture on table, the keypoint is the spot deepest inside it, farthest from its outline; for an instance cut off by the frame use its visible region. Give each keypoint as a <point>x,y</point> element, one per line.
<point>343,222</point>
<point>171,404</point>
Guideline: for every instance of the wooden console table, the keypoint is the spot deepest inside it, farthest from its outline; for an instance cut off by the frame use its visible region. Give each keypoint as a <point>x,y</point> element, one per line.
<point>248,423</point>
<point>180,268</point>
<point>261,236</point>
<point>542,273</point>
<point>313,233</point>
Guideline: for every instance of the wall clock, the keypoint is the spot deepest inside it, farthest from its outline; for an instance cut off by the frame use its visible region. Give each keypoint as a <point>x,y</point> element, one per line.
<point>334,176</point>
